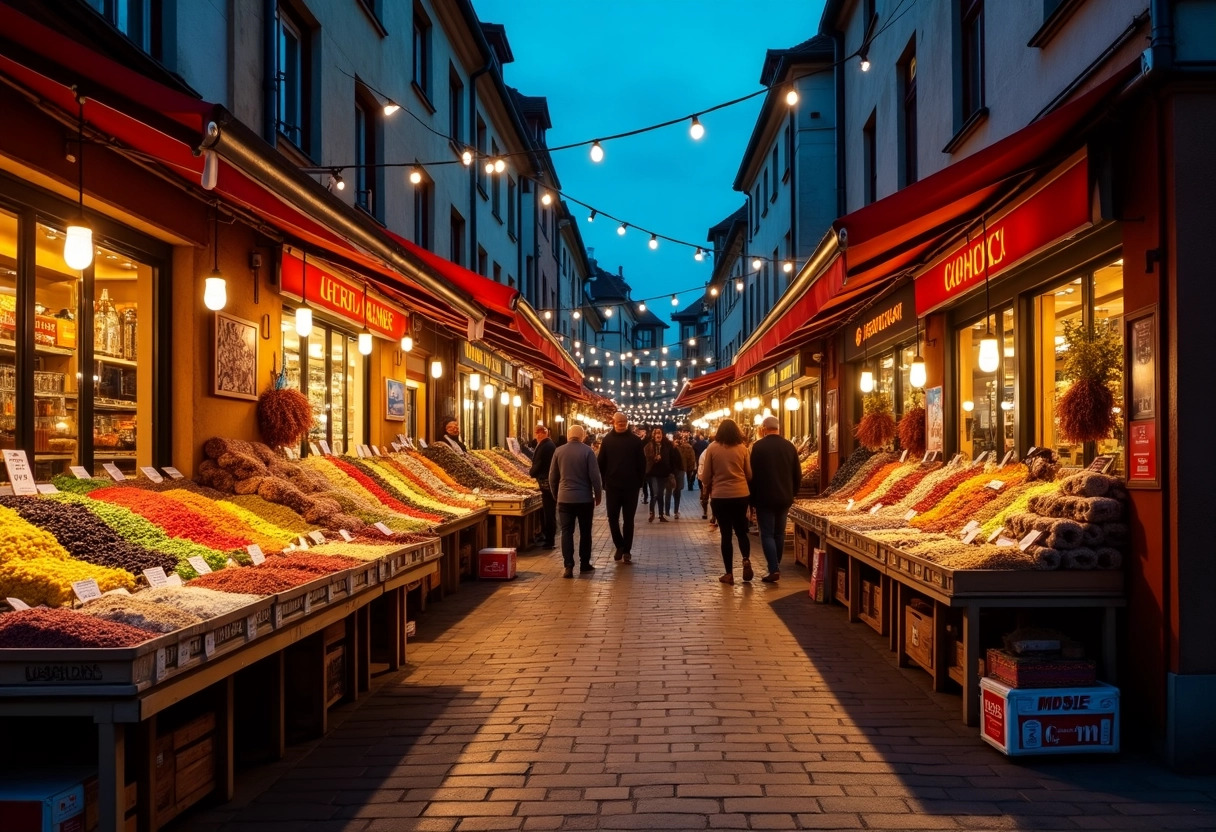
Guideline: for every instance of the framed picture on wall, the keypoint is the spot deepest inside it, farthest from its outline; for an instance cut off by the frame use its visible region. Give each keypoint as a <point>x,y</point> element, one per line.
<point>394,400</point>
<point>833,423</point>
<point>236,357</point>
<point>934,419</point>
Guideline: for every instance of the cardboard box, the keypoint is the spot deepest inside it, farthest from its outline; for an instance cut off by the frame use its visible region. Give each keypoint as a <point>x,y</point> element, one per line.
<point>49,801</point>
<point>842,585</point>
<point>818,567</point>
<point>918,637</point>
<point>496,564</point>
<point>1078,720</point>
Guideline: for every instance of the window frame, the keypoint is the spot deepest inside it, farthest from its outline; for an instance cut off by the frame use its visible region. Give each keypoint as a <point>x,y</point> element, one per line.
<point>288,23</point>
<point>421,56</point>
<point>869,156</point>
<point>424,213</point>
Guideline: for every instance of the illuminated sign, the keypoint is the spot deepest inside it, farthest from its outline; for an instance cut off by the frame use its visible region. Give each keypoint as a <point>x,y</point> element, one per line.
<point>343,298</point>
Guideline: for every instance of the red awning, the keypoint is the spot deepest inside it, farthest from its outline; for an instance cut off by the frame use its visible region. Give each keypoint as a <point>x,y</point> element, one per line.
<point>699,389</point>
<point>893,235</point>
<point>490,294</point>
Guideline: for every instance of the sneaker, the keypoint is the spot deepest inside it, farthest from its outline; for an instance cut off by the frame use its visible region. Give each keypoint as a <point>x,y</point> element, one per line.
<point>651,520</point>
<point>618,554</point>
<point>568,572</point>
<point>727,579</point>
<point>748,574</point>
<point>771,578</point>
<point>586,567</point>
<point>662,518</point>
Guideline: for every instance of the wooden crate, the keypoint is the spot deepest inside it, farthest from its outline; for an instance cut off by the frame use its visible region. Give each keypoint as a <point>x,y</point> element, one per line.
<point>841,590</point>
<point>185,766</point>
<point>918,637</point>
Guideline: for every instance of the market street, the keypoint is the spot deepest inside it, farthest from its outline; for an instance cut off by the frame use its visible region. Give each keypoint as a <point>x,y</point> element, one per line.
<point>649,696</point>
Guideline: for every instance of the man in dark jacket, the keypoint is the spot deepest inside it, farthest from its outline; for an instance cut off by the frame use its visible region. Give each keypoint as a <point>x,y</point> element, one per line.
<point>623,467</point>
<point>776,476</point>
<point>542,457</point>
<point>698,446</point>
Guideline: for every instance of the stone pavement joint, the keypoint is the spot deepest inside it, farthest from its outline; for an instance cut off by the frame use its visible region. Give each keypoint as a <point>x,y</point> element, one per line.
<point>649,696</point>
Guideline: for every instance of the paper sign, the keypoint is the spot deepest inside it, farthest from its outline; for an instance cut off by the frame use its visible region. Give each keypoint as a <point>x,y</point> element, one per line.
<point>401,438</point>
<point>359,451</point>
<point>173,473</point>
<point>992,538</point>
<point>87,589</point>
<point>396,447</point>
<point>19,473</point>
<point>971,525</point>
<point>1033,448</point>
<point>911,513</point>
<point>17,604</point>
<point>115,474</point>
<point>316,537</point>
<point>385,529</point>
<point>209,644</point>
<point>290,547</point>
<point>251,627</point>
<point>200,565</point>
<point>1005,542</point>
<point>151,473</point>
<point>156,576</point>
<point>325,448</point>
<point>255,553</point>
<point>1005,461</point>
<point>1101,464</point>
<point>312,446</point>
<point>513,444</point>
<point>996,485</point>
<point>422,442</point>
<point>904,455</point>
<point>1029,540</point>
<point>376,451</point>
<point>347,536</point>
<point>970,536</point>
<point>80,472</point>
<point>849,507</point>
<point>928,456</point>
<point>301,543</point>
<point>875,509</point>
<point>175,579</point>
<point>47,488</point>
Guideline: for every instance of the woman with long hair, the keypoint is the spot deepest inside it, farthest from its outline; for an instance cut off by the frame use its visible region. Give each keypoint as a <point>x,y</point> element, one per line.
<point>727,469</point>
<point>660,464</point>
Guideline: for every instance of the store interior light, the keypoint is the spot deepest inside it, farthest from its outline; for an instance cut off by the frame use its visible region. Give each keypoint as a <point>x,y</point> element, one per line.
<point>488,391</point>
<point>867,381</point>
<point>475,382</point>
<point>968,406</point>
<point>407,343</point>
<point>516,401</point>
<point>78,242</point>
<point>504,398</point>
<point>792,403</point>
<point>990,354</point>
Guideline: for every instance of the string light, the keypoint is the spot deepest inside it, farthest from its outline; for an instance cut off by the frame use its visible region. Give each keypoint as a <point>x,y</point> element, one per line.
<point>621,229</point>
<point>591,216</point>
<point>696,129</point>
<point>791,97</point>
<point>597,151</point>
<point>466,158</point>
<point>675,301</point>
<point>499,165</point>
<point>642,306</point>
<point>787,267</point>
<point>738,285</point>
<point>654,242</point>
<point>700,255</point>
<point>757,264</point>
<point>416,175</point>
<point>547,199</point>
<point>865,62</point>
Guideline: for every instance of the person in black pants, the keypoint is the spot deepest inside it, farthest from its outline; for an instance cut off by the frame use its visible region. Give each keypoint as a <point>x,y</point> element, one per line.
<point>574,478</point>
<point>623,466</point>
<point>542,457</point>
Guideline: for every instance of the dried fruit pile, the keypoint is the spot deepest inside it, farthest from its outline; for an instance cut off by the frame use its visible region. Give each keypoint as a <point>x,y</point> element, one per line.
<point>62,628</point>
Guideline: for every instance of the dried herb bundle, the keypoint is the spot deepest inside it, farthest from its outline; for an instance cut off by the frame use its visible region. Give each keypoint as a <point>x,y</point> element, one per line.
<point>284,416</point>
<point>1094,365</point>
<point>877,427</point>
<point>912,430</point>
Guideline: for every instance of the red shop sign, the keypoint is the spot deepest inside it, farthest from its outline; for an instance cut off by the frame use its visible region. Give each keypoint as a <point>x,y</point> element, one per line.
<point>343,298</point>
<point>1056,211</point>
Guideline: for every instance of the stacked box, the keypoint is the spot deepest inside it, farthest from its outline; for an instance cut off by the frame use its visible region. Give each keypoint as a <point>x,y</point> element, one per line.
<point>1076,720</point>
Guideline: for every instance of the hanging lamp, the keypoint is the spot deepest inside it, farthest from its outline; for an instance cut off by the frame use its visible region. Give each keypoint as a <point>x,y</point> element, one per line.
<point>304,311</point>
<point>365,337</point>
<point>78,243</point>
<point>867,375</point>
<point>215,288</point>
<point>917,376</point>
<point>990,351</point>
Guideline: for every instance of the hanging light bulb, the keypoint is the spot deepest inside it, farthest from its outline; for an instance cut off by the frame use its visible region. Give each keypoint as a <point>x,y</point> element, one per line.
<point>499,165</point>
<point>304,311</point>
<point>700,254</point>
<point>865,62</point>
<point>548,315</point>
<point>917,375</point>
<point>365,342</point>
<point>792,403</point>
<point>738,405</point>
<point>336,182</point>
<point>968,406</point>
<point>577,315</point>
<point>591,216</point>
<point>215,288</point>
<point>608,312</point>
<point>696,129</point>
<point>78,243</point>
<point>504,398</point>
<point>1006,405</point>
<point>547,199</point>
<point>692,342</point>
<point>466,158</point>
<point>642,306</point>
<point>757,264</point>
<point>597,152</point>
<point>787,266</point>
<point>436,369</point>
<point>713,291</point>
<point>416,174</point>
<point>654,242</point>
<point>488,391</point>
<point>990,354</point>
<point>773,404</point>
<point>407,343</point>
<point>391,106</point>
<point>738,285</point>
<point>489,166</point>
<point>516,401</point>
<point>791,97</point>
<point>867,381</point>
<point>475,382</point>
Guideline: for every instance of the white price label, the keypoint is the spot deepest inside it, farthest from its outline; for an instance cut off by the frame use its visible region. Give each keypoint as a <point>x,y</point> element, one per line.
<point>996,485</point>
<point>911,513</point>
<point>47,488</point>
<point>209,644</point>
<point>396,447</point>
<point>200,565</point>
<point>312,446</point>
<point>80,472</point>
<point>1029,540</point>
<point>970,536</point>
<point>971,525</point>
<point>359,451</point>
<point>401,438</point>
<point>19,473</point>
<point>156,576</point>
<point>255,553</point>
<point>347,536</point>
<point>1008,457</point>
<point>17,604</point>
<point>928,456</point>
<point>1033,448</point>
<point>376,451</point>
<point>849,507</point>
<point>325,448</point>
<point>875,509</point>
<point>301,543</point>
<point>992,538</point>
<point>151,473</point>
<point>183,652</point>
<point>1003,542</point>
<point>316,537</point>
<point>384,529</point>
<point>175,579</point>
<point>904,455</point>
<point>251,627</point>
<point>422,442</point>
<point>87,589</point>
<point>114,472</point>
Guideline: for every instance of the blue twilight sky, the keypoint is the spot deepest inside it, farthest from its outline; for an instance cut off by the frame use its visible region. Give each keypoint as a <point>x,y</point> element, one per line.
<point>609,67</point>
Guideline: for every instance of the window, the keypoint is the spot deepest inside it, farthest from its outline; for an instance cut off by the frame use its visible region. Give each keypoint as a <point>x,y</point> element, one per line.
<point>456,229</point>
<point>643,339</point>
<point>776,155</point>
<point>366,149</point>
<point>869,161</point>
<point>907,75</point>
<point>139,20</point>
<point>789,150</point>
<point>327,367</point>
<point>481,156</point>
<point>971,53</point>
<point>422,53</point>
<point>756,210</point>
<point>986,422</point>
<point>292,87</point>
<point>482,262</point>
<point>424,204</point>
<point>497,273</point>
<point>511,207</point>
<point>455,106</point>
<point>495,187</point>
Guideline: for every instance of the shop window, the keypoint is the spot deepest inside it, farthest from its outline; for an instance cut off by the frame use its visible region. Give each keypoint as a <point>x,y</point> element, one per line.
<point>909,396</point>
<point>10,347</point>
<point>987,421</point>
<point>328,368</point>
<point>1090,301</point>
<point>139,20</point>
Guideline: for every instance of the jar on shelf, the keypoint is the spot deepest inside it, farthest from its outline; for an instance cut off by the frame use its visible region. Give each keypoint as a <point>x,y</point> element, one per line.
<point>128,333</point>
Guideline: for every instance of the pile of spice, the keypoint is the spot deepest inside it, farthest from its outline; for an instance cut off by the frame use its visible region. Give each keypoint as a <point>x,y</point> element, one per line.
<point>846,471</point>
<point>317,564</point>
<point>136,611</point>
<point>62,628</point>
<point>195,600</point>
<point>175,518</point>
<point>254,581</point>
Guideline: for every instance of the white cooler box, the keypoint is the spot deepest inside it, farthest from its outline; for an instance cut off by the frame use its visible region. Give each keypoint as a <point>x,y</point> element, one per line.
<point>1083,720</point>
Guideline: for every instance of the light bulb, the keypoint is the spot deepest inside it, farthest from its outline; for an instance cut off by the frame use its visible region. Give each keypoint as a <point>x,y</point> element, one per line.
<point>968,406</point>
<point>654,242</point>
<point>739,406</point>
<point>416,175</point>
<point>436,369</point>
<point>865,64</point>
<point>516,401</point>
<point>916,372</point>
<point>488,391</point>
<point>466,158</point>
<point>696,129</point>
<point>407,343</point>
<point>792,402</point>
<point>78,246</point>
<point>475,382</point>
<point>547,199</point>
<point>757,263</point>
<point>577,315</point>
<point>700,255</point>
<point>1006,405</point>
<point>548,315</point>
<point>489,166</point>
<point>365,343</point>
<point>391,107</point>
<point>591,216</point>
<point>787,267</point>
<point>620,230</point>
<point>303,321</point>
<point>738,285</point>
<point>757,420</point>
<point>867,381</point>
<point>215,292</point>
<point>597,152</point>
<point>499,165</point>
<point>608,312</point>
<point>713,291</point>
<point>692,342</point>
<point>504,398</point>
<point>990,355</point>
<point>642,307</point>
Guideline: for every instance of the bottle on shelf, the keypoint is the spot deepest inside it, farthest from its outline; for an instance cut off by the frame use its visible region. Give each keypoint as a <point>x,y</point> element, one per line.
<point>100,323</point>
<point>113,332</point>
<point>128,333</point>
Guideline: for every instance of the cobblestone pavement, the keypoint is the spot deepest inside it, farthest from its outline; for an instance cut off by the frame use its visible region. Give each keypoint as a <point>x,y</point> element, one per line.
<point>649,696</point>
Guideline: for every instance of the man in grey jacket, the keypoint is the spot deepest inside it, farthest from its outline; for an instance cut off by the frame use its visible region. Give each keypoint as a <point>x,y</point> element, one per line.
<point>574,479</point>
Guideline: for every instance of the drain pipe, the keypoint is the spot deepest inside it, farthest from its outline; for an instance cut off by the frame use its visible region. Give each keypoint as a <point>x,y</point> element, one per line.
<point>1161,45</point>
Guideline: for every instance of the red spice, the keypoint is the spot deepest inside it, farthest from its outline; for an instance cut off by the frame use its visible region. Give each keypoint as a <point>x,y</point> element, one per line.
<point>63,628</point>
<point>383,496</point>
<point>943,488</point>
<point>876,480</point>
<point>901,489</point>
<point>177,519</point>
<point>253,581</point>
<point>318,564</point>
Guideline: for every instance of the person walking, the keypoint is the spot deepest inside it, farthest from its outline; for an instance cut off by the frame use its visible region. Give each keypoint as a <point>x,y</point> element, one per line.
<point>698,447</point>
<point>623,467</point>
<point>644,435</point>
<point>776,476</point>
<point>661,462</point>
<point>574,480</point>
<point>727,472</point>
<point>706,509</point>
<point>542,458</point>
<point>688,461</point>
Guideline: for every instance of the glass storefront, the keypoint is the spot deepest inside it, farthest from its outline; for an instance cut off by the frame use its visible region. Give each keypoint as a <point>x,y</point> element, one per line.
<point>330,361</point>
<point>987,421</point>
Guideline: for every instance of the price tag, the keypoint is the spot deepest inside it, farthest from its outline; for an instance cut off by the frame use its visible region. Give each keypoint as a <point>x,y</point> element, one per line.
<point>992,538</point>
<point>1005,542</point>
<point>376,451</point>
<point>422,442</point>
<point>17,604</point>
<point>911,513</point>
<point>1008,457</point>
<point>173,473</point>
<point>307,604</point>
<point>151,473</point>
<point>312,446</point>
<point>80,472</point>
<point>278,616</point>
<point>200,565</point>
<point>1101,464</point>
<point>385,529</point>
<point>162,663</point>
<point>255,553</point>
<point>47,488</point>
<point>316,537</point>
<point>1029,540</point>
<point>325,448</point>
<point>974,524</point>
<point>401,438</point>
<point>411,629</point>
<point>209,645</point>
<point>19,473</point>
<point>87,589</point>
<point>396,447</point>
<point>1033,448</point>
<point>251,627</point>
<point>970,536</point>
<point>114,472</point>
<point>175,579</point>
<point>904,455</point>
<point>996,485</point>
<point>347,536</point>
<point>849,507</point>
<point>156,576</point>
<point>290,547</point>
<point>928,456</point>
<point>875,509</point>
<point>359,451</point>
<point>301,543</point>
